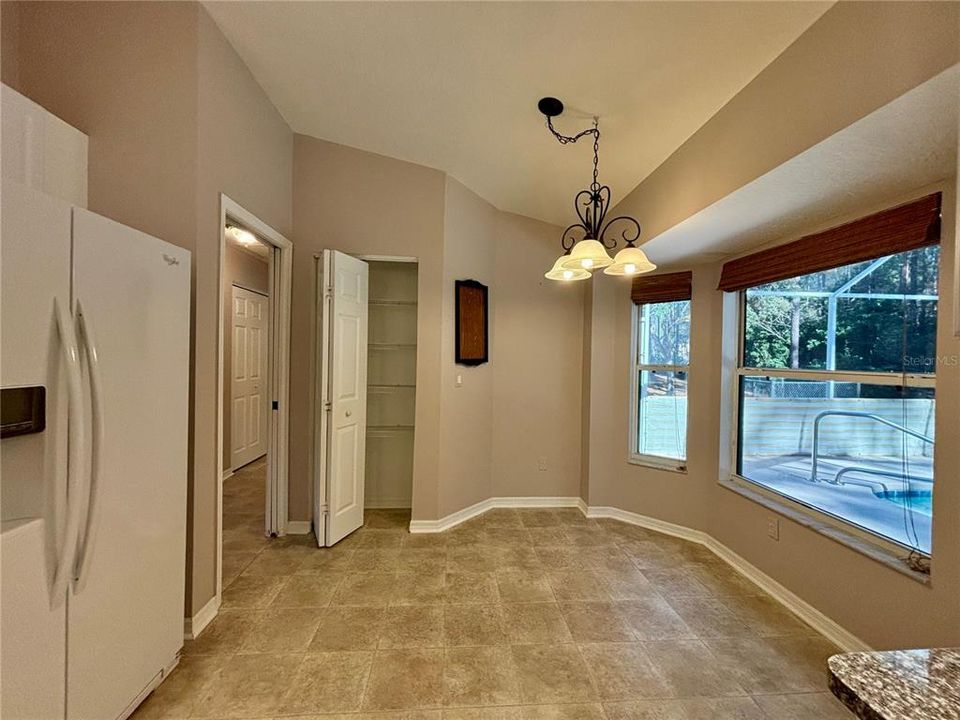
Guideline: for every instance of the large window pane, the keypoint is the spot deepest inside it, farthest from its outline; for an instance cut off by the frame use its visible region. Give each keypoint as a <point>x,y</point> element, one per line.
<point>662,422</point>
<point>874,450</point>
<point>665,333</point>
<point>876,316</point>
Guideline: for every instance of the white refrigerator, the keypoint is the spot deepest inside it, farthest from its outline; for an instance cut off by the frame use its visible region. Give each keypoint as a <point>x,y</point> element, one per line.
<point>94,466</point>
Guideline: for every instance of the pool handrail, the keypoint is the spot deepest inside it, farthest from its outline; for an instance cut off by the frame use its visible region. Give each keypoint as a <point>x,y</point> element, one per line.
<point>853,413</point>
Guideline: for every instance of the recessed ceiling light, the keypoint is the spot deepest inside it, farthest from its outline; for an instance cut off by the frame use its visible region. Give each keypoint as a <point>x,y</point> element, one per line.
<point>242,236</point>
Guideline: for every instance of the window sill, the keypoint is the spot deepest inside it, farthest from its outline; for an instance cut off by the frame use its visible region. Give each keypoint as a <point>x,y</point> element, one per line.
<point>658,463</point>
<point>875,548</point>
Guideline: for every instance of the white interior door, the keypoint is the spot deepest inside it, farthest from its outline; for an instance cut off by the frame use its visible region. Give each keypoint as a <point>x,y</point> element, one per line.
<point>248,386</point>
<point>343,388</point>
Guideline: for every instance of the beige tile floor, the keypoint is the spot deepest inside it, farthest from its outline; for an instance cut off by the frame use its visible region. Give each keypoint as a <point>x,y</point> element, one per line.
<point>516,615</point>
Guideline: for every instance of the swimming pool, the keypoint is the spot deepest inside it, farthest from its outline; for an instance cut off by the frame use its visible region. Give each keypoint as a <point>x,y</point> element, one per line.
<point>917,500</point>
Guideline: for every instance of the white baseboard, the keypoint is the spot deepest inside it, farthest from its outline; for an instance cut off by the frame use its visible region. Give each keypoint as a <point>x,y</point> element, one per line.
<point>298,527</point>
<point>661,526</point>
<point>827,627</point>
<point>833,631</point>
<point>454,519</point>
<point>397,504</point>
<point>227,474</point>
<point>193,626</point>
<point>451,520</point>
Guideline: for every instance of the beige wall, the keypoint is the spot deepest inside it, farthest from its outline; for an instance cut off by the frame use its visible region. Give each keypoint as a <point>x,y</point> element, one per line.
<point>536,360</point>
<point>366,204</point>
<point>244,150</point>
<point>466,430</point>
<point>157,88</point>
<point>131,92</point>
<point>480,439</point>
<point>252,272</point>
<point>856,58</point>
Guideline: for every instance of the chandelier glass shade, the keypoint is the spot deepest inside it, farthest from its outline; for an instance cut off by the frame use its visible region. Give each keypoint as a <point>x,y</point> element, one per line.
<point>630,261</point>
<point>586,243</point>
<point>559,272</point>
<point>587,255</point>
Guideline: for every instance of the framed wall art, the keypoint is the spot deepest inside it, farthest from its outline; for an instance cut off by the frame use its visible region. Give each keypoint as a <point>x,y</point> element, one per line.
<point>471,333</point>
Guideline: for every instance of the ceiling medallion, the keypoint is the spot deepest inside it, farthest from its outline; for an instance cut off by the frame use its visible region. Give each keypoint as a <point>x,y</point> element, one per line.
<point>585,243</point>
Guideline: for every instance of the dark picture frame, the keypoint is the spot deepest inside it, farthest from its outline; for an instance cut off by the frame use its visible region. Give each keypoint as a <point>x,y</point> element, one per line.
<point>472,323</point>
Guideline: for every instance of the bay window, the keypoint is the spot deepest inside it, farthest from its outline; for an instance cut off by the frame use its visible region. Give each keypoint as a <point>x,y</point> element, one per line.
<point>836,379</point>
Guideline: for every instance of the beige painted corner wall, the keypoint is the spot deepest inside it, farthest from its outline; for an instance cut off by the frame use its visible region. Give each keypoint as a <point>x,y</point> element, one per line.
<point>244,150</point>
<point>485,437</point>
<point>470,227</point>
<point>156,88</point>
<point>366,204</point>
<point>524,405</point>
<point>856,58</point>
<point>536,354</point>
<point>129,87</point>
<point>253,273</point>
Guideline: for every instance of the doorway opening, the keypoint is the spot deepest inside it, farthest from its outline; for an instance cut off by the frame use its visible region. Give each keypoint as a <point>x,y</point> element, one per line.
<point>253,381</point>
<point>366,353</point>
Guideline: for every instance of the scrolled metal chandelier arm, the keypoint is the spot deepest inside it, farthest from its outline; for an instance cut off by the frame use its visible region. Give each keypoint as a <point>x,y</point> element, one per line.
<point>568,239</point>
<point>628,237</point>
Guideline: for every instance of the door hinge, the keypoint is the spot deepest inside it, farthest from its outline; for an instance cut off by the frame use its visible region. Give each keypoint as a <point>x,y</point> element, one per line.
<point>276,405</point>
<point>328,406</point>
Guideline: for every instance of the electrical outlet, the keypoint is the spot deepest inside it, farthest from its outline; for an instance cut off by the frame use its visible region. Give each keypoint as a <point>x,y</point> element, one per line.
<point>773,528</point>
<point>542,464</point>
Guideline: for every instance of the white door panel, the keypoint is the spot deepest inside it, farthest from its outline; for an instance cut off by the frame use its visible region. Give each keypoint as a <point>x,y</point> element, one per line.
<point>344,397</point>
<point>125,614</point>
<point>248,419</point>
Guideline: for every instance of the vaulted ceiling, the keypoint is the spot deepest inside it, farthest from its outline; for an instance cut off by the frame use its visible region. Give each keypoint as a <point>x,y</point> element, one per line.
<point>454,85</point>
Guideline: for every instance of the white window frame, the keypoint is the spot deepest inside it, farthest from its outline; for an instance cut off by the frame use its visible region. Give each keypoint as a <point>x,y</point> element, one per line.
<point>737,482</point>
<point>634,456</point>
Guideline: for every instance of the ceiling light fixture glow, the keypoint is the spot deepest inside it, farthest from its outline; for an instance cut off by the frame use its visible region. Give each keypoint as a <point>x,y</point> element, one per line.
<point>244,237</point>
<point>586,243</point>
<point>559,272</point>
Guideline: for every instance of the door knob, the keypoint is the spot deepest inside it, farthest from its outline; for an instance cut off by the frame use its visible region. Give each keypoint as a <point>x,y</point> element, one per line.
<point>349,413</point>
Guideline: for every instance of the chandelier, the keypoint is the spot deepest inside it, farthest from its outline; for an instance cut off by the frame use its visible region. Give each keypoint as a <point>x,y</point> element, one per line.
<point>585,243</point>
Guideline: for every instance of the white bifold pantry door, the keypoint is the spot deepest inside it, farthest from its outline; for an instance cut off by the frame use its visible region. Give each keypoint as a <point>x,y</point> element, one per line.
<point>248,386</point>
<point>342,389</point>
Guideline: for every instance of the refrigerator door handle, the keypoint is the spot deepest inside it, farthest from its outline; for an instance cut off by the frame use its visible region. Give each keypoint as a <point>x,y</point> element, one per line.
<point>77,452</point>
<point>96,445</point>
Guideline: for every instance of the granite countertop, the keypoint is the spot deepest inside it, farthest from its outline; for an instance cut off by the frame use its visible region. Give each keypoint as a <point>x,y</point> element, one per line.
<point>899,684</point>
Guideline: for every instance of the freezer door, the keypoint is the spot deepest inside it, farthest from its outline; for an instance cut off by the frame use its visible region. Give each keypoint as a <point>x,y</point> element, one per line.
<point>34,277</point>
<point>125,619</point>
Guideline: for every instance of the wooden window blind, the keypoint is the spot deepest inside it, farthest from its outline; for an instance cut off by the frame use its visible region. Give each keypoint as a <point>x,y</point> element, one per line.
<point>905,227</point>
<point>661,288</point>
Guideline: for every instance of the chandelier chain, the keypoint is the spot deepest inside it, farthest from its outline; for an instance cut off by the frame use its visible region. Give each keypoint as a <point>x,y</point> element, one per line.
<point>570,139</point>
<point>581,239</point>
<point>595,186</point>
